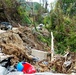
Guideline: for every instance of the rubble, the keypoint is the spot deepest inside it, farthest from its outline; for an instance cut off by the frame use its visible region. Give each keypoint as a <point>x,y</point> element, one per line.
<point>39,54</point>
<point>3,70</point>
<point>2,31</point>
<point>20,44</point>
<point>15,73</point>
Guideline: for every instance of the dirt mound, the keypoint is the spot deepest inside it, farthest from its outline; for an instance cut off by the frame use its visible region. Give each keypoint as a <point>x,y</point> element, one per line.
<point>18,43</point>
<point>30,39</point>
<point>11,43</point>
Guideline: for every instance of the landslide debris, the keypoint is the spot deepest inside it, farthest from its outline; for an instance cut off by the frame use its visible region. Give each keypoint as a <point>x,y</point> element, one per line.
<point>18,42</point>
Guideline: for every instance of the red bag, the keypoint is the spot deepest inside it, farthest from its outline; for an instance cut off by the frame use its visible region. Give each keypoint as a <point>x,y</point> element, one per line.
<point>28,68</point>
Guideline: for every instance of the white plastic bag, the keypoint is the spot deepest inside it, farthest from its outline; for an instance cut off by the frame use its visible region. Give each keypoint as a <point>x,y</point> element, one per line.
<point>3,70</point>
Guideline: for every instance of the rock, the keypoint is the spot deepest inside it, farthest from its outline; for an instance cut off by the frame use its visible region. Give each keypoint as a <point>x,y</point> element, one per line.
<point>39,54</point>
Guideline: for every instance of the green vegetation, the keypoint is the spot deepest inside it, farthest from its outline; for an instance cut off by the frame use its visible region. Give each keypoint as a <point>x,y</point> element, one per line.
<point>62,22</point>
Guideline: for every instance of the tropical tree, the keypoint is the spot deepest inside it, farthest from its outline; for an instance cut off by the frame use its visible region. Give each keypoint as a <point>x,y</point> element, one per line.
<point>14,11</point>
<point>62,21</point>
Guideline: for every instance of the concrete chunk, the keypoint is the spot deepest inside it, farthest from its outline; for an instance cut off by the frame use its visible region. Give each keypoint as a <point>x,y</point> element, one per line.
<point>39,54</point>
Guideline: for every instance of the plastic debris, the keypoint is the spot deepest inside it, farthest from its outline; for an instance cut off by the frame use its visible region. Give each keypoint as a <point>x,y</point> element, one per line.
<point>67,63</point>
<point>20,66</point>
<point>3,70</point>
<point>25,67</point>
<point>15,73</point>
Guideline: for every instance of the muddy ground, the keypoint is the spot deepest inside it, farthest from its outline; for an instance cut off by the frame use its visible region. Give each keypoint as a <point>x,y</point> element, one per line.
<point>20,41</point>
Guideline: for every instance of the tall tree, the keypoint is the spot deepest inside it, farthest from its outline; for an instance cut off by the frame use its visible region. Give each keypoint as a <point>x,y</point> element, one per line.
<point>62,21</point>
<point>14,11</point>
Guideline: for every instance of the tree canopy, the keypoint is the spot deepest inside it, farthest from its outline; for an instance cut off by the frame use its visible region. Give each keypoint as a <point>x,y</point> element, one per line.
<point>62,22</point>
